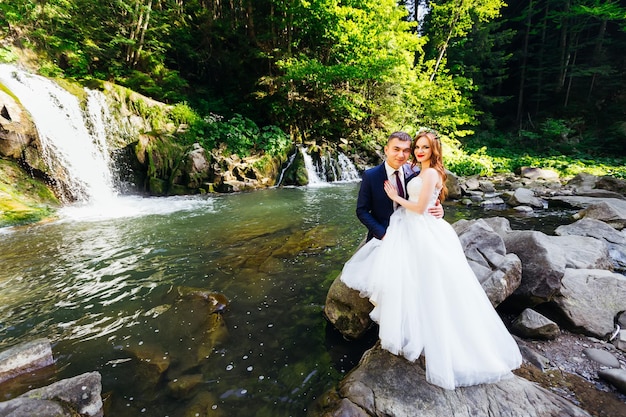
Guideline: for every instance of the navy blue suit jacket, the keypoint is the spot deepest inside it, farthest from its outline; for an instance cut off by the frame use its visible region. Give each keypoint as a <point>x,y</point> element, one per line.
<point>373,206</point>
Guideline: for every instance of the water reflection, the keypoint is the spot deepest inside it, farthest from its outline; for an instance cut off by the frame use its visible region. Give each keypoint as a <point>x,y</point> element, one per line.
<point>105,286</point>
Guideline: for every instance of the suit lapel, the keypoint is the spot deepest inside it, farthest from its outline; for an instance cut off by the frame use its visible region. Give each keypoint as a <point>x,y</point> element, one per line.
<point>409,173</point>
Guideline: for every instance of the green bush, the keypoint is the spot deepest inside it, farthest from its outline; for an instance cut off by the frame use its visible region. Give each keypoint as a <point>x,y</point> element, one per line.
<point>7,55</point>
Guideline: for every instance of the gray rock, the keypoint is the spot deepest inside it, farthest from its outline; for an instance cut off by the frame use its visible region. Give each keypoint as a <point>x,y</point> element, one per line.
<point>387,385</point>
<point>16,128</point>
<point>454,186</point>
<point>347,310</point>
<point>523,209</point>
<point>543,264</point>
<point>80,394</point>
<point>532,325</point>
<point>29,407</point>
<point>583,182</point>
<point>534,358</point>
<point>591,299</point>
<point>472,183</point>
<point>499,273</point>
<point>534,173</point>
<point>576,201</point>
<point>583,252</point>
<point>486,186</point>
<point>611,211</point>
<point>617,378</point>
<point>615,240</point>
<point>526,197</point>
<point>24,358</point>
<point>602,357</point>
<point>612,184</point>
<point>496,201</point>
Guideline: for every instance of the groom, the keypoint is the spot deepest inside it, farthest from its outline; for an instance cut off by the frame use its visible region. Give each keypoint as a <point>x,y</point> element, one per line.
<point>373,207</point>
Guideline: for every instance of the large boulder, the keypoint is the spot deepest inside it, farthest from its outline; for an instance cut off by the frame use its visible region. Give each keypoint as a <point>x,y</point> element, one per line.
<point>543,264</point>
<point>347,310</point>
<point>614,240</point>
<point>525,197</point>
<point>593,186</point>
<point>499,273</point>
<point>387,385</point>
<point>591,300</point>
<point>544,259</point>
<point>611,211</point>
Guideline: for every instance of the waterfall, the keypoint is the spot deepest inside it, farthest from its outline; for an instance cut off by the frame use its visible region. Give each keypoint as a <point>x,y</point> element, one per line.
<point>70,149</point>
<point>292,157</point>
<point>314,178</point>
<point>349,173</point>
<point>327,169</point>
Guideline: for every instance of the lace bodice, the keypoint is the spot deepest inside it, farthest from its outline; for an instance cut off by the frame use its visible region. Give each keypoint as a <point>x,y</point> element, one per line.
<point>414,187</point>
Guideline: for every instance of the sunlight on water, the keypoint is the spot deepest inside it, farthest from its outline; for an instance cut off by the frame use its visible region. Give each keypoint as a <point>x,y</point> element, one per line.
<point>104,283</point>
<point>133,206</point>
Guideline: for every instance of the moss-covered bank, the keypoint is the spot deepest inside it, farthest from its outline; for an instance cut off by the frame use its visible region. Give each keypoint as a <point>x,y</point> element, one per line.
<point>23,199</point>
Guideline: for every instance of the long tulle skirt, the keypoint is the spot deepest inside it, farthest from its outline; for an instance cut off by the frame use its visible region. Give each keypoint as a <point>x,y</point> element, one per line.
<point>427,300</point>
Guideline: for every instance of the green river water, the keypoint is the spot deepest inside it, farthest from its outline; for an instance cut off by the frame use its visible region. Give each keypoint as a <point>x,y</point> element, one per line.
<point>102,282</point>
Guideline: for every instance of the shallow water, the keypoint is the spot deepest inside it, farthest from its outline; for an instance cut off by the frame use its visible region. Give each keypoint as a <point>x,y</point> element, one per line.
<point>102,283</point>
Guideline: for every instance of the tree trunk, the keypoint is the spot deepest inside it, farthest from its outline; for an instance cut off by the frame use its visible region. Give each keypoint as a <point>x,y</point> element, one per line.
<point>571,77</point>
<point>540,67</point>
<point>444,47</point>
<point>597,52</point>
<point>565,52</point>
<point>522,82</point>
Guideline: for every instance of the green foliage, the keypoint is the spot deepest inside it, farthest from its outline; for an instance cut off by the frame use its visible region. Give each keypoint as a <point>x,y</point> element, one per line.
<point>182,113</point>
<point>273,140</point>
<point>50,69</point>
<point>22,199</point>
<point>7,55</point>
<point>239,134</point>
<point>325,70</point>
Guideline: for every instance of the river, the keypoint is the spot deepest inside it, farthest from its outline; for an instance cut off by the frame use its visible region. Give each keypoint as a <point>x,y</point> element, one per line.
<point>97,281</point>
<point>92,280</point>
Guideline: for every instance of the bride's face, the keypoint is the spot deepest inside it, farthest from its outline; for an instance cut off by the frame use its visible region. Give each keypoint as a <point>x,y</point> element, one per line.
<point>422,151</point>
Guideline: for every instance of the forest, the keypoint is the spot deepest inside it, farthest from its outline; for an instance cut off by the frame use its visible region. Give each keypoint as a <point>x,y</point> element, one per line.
<point>538,77</point>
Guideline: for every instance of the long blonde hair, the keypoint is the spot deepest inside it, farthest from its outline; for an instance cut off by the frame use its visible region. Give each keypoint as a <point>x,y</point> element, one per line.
<point>436,160</point>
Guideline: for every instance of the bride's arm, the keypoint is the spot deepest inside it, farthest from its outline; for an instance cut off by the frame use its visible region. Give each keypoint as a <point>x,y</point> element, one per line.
<point>430,177</point>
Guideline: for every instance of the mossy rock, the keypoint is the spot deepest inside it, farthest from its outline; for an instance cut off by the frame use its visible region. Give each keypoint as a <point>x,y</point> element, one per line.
<point>23,199</point>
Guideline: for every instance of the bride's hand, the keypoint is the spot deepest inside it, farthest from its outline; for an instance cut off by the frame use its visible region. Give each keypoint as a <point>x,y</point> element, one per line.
<point>391,191</point>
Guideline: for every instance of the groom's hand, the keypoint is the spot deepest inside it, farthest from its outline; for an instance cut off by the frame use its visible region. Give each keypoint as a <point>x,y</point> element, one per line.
<point>436,210</point>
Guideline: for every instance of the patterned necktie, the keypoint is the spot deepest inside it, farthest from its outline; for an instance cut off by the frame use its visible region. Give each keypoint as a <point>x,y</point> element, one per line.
<point>399,184</point>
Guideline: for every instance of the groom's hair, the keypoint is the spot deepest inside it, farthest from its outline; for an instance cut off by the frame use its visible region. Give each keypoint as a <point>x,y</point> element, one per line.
<point>403,136</point>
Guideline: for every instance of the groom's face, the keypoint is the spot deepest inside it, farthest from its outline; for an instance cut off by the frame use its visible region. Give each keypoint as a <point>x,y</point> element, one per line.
<point>397,152</point>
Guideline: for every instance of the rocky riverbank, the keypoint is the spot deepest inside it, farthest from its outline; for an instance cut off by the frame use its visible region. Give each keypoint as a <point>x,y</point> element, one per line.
<point>563,296</point>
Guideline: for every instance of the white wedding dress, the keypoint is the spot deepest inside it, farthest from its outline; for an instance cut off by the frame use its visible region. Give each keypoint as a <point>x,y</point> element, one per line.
<point>427,300</point>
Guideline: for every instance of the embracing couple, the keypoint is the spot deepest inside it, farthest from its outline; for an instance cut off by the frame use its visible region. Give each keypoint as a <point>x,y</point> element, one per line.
<point>426,297</point>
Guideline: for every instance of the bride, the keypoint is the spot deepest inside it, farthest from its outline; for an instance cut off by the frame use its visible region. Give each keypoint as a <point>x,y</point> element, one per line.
<point>426,297</point>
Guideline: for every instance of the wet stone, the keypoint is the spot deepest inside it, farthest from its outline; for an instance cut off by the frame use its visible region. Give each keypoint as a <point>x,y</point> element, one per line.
<point>617,378</point>
<point>181,387</point>
<point>602,357</point>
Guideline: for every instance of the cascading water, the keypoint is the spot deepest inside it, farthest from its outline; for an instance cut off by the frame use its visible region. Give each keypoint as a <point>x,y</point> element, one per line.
<point>314,178</point>
<point>72,151</point>
<point>349,173</point>
<point>342,170</point>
